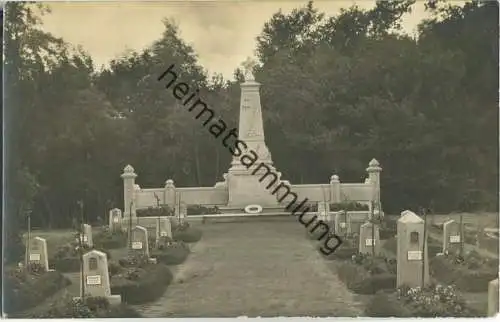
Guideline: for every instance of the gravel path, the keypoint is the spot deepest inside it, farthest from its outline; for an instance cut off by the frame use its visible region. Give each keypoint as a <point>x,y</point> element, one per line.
<point>254,269</point>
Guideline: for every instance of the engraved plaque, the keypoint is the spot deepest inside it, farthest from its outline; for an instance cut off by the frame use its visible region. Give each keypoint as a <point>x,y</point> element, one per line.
<point>94,280</point>
<point>163,234</point>
<point>455,239</point>
<point>414,255</point>
<point>34,257</point>
<point>115,220</point>
<point>342,225</point>
<point>369,242</point>
<point>137,245</point>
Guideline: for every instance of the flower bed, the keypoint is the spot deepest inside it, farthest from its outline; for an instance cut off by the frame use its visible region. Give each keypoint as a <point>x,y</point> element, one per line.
<point>365,274</point>
<point>89,307</point>
<point>67,257</point>
<point>162,210</point>
<point>110,240</point>
<point>25,290</point>
<point>193,210</point>
<point>184,232</point>
<point>141,283</point>
<point>432,301</point>
<point>170,252</point>
<point>470,273</point>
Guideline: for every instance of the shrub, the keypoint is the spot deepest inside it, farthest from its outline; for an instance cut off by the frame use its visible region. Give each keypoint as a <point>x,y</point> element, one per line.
<point>138,285</point>
<point>89,307</point>
<point>67,257</point>
<point>470,273</point>
<point>162,210</point>
<point>109,240</point>
<point>365,274</point>
<point>172,254</point>
<point>193,210</point>
<point>348,206</point>
<point>133,259</point>
<point>25,290</point>
<point>185,233</point>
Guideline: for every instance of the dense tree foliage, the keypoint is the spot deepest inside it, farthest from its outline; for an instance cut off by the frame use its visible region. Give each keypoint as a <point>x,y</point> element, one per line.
<point>337,92</point>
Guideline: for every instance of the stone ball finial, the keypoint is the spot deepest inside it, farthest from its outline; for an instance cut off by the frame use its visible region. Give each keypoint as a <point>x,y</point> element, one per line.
<point>128,169</point>
<point>374,163</point>
<point>169,183</point>
<point>137,187</point>
<point>334,178</point>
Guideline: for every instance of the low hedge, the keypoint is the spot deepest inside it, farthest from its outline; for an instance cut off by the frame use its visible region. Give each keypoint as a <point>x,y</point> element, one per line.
<point>109,240</point>
<point>67,258</point>
<point>368,275</point>
<point>186,233</point>
<point>173,254</point>
<point>469,274</point>
<point>193,210</point>
<point>348,206</point>
<point>162,210</point>
<point>89,307</point>
<point>24,291</point>
<point>138,285</point>
<point>432,301</point>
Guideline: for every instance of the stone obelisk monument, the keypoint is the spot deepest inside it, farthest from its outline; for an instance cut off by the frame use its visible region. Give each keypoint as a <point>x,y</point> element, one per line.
<point>244,187</point>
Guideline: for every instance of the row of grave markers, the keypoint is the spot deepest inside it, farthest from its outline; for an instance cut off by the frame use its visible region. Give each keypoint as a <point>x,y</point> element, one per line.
<point>95,263</point>
<point>412,255</point>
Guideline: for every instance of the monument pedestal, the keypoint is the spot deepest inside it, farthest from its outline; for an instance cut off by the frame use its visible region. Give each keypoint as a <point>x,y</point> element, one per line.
<point>245,189</point>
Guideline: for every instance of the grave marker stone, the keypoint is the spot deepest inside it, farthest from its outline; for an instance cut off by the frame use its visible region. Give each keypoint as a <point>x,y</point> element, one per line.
<point>115,220</point>
<point>163,228</point>
<point>139,242</point>
<point>493,298</point>
<point>369,239</point>
<point>96,276</point>
<point>38,252</point>
<point>342,223</point>
<point>452,235</point>
<point>87,235</point>
<point>182,212</point>
<point>411,254</point>
<point>324,211</point>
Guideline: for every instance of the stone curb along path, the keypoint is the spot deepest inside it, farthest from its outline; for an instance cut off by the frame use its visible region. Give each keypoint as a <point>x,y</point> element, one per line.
<point>254,269</point>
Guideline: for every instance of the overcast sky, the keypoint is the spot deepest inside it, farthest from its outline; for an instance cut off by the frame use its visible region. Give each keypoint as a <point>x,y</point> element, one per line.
<point>222,32</point>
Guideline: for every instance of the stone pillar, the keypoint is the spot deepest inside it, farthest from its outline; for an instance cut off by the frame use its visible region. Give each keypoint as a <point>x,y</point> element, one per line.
<point>169,193</point>
<point>334,189</point>
<point>128,177</point>
<point>493,298</point>
<point>412,258</point>
<point>374,170</point>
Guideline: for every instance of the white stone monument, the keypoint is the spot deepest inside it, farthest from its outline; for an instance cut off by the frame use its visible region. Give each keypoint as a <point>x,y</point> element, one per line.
<point>38,252</point>
<point>243,185</point>
<point>96,276</point>
<point>411,253</point>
